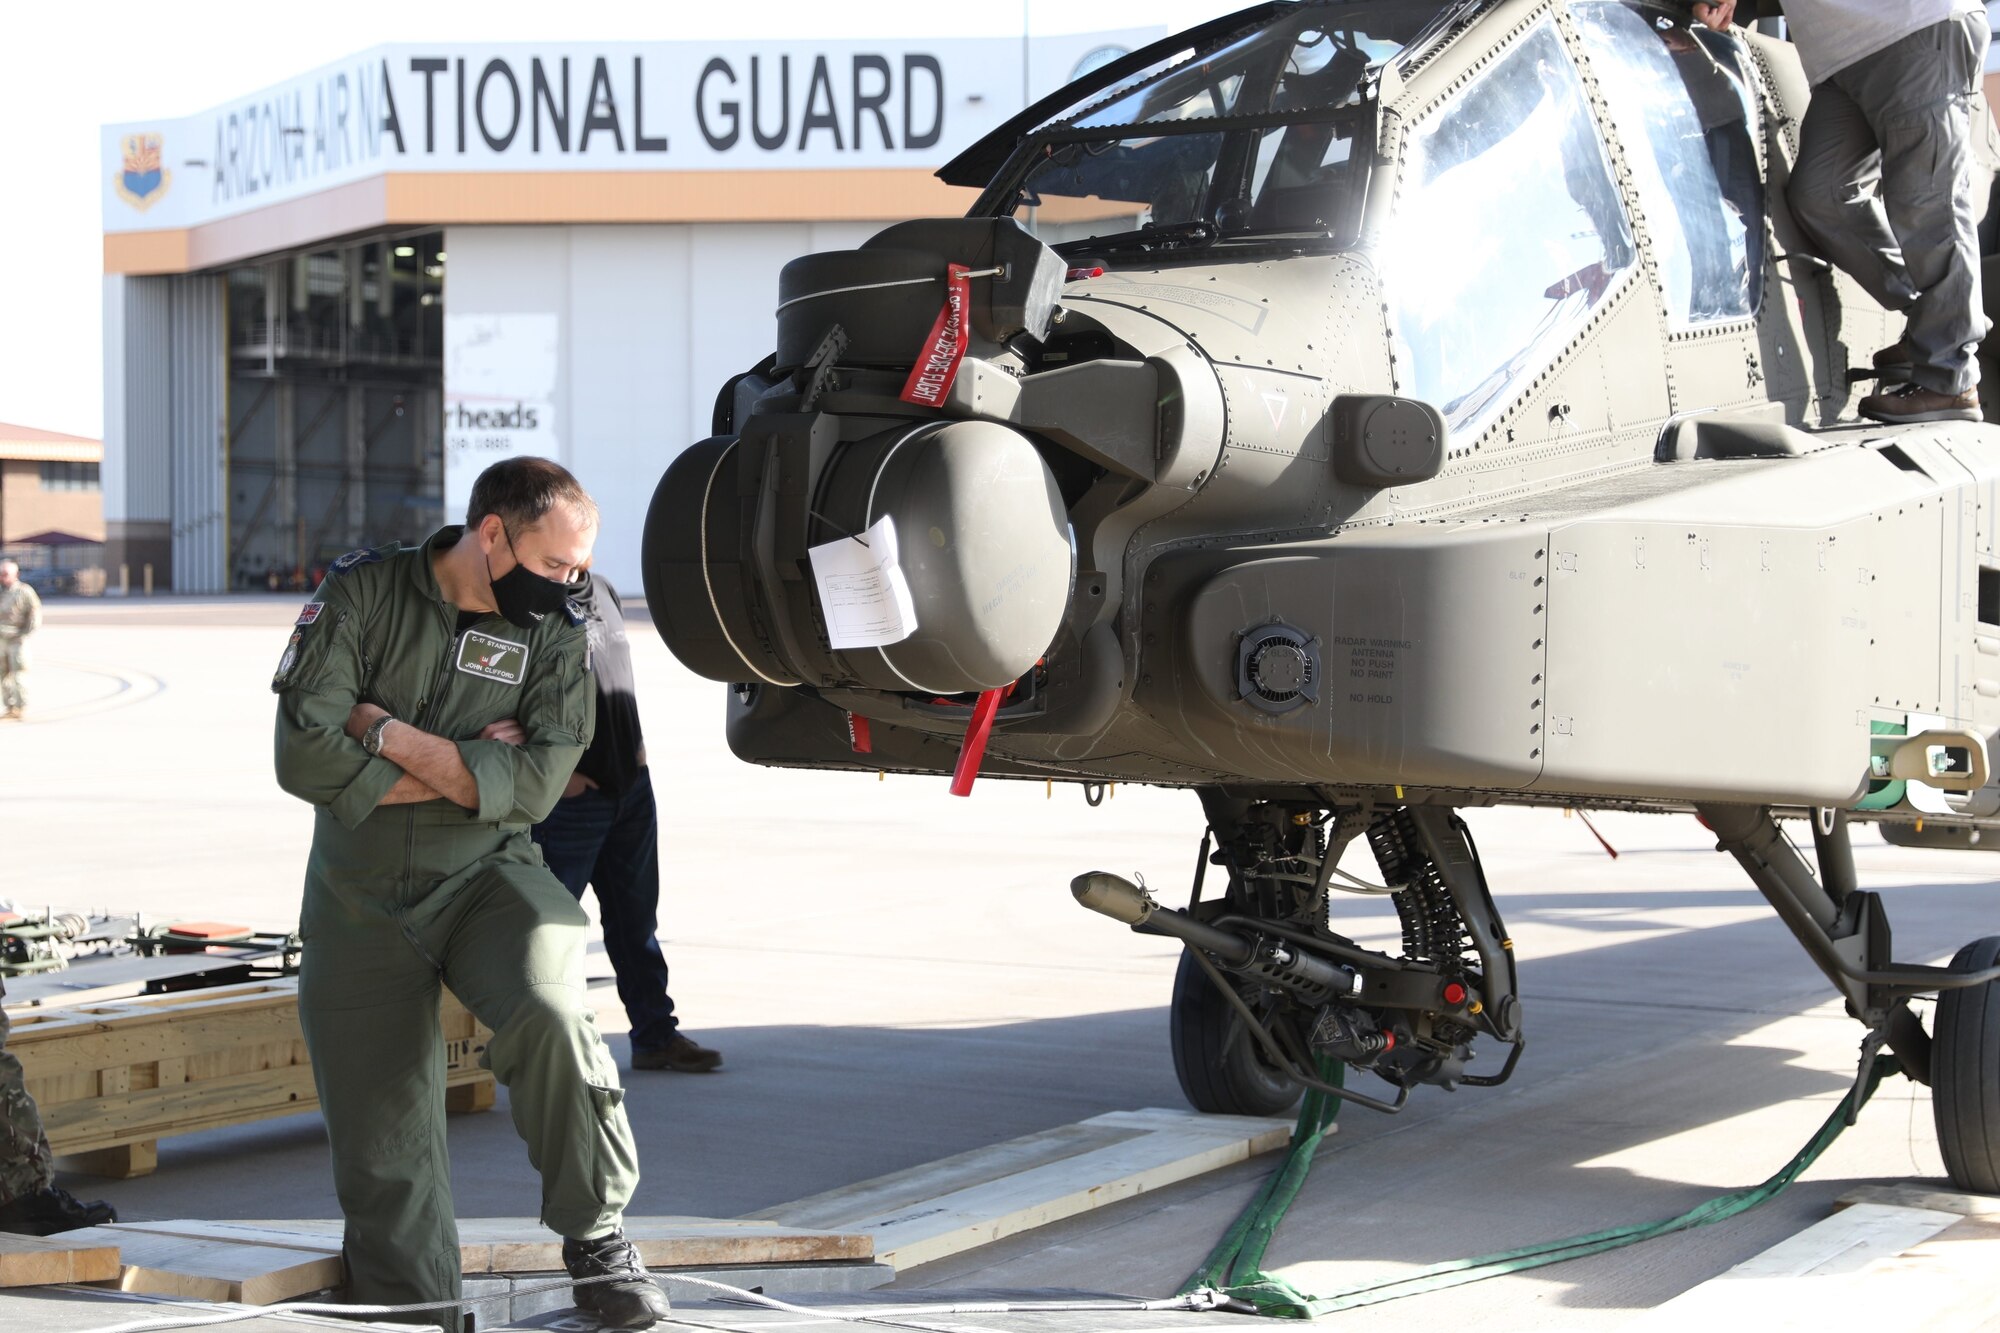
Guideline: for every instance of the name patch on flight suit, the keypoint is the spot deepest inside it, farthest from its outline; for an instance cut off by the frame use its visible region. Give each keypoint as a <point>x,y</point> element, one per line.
<point>492,658</point>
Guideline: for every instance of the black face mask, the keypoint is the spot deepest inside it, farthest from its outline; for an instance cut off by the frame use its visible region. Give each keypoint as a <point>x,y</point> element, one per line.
<point>522,595</point>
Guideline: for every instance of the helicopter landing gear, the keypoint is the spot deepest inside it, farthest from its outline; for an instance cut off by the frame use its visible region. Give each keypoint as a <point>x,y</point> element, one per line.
<point>1965,1073</point>
<point>1222,1067</point>
<point>1268,992</point>
<point>1846,932</point>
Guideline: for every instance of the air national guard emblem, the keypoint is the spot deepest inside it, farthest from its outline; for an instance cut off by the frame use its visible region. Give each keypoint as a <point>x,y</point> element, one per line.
<point>140,179</point>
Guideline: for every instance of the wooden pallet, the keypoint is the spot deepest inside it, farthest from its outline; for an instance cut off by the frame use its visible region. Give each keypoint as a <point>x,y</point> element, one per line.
<point>113,1078</point>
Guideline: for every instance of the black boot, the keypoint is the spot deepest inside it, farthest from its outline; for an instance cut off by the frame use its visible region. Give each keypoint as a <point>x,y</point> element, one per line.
<point>635,1301</point>
<point>45,1212</point>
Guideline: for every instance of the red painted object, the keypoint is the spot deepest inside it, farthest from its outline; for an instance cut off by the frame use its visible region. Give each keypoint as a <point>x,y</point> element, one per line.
<point>208,930</point>
<point>974,748</point>
<point>930,379</point>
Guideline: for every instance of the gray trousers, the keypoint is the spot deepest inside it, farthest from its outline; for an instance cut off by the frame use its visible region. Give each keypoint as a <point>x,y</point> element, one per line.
<point>1883,186</point>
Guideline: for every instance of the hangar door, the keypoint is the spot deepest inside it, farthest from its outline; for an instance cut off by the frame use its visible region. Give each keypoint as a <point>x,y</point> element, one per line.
<point>335,405</point>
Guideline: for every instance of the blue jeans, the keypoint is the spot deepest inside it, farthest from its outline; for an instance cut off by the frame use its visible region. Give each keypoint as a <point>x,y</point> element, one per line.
<point>612,843</point>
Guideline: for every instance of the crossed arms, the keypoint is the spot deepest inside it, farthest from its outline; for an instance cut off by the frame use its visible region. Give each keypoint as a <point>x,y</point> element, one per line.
<point>513,771</point>
<point>432,766</point>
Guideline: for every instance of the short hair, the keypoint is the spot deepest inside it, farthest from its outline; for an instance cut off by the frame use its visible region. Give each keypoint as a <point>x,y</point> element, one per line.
<point>523,490</point>
<point>10,565</point>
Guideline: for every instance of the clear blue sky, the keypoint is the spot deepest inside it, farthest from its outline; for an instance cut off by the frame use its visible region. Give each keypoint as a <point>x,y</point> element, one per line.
<point>67,68</point>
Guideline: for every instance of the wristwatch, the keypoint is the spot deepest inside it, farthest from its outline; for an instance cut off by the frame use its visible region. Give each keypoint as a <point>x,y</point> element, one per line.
<point>371,739</point>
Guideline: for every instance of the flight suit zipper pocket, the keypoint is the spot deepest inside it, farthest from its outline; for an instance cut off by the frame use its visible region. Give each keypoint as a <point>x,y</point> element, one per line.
<point>427,711</point>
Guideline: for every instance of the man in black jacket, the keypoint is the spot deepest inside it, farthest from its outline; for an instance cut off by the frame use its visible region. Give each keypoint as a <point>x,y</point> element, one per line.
<point>605,832</point>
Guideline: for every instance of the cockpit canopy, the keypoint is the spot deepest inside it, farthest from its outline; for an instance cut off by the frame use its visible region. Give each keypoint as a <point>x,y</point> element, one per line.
<point>1255,126</point>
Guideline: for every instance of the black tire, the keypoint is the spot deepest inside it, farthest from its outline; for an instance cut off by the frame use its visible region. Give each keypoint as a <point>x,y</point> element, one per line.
<point>1965,1074</point>
<point>1222,1068</point>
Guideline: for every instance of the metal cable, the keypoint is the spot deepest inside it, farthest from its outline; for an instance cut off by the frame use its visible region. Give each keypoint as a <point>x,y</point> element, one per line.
<point>1198,1299</point>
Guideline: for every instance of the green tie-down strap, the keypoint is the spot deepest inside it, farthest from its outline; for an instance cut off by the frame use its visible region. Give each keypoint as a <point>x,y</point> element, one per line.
<point>1234,1267</point>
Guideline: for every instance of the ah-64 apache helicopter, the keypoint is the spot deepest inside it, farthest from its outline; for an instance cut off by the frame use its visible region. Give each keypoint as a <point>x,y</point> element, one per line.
<point>1366,410</point>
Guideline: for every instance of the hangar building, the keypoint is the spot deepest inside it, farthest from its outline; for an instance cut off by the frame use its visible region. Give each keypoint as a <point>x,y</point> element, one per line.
<point>329,303</point>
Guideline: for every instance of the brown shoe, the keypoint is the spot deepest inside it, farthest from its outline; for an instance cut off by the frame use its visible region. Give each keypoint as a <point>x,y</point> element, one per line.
<point>1913,403</point>
<point>1896,362</point>
<point>11,715</point>
<point>679,1055</point>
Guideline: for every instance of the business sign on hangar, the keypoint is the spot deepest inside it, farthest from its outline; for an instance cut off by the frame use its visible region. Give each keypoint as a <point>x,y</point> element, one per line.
<point>634,106</point>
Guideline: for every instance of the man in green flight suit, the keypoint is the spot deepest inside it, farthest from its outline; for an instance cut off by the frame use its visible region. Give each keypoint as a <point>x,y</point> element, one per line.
<point>432,702</point>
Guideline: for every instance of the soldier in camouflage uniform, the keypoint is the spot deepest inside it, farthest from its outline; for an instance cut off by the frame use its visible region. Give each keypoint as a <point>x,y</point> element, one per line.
<point>30,1203</point>
<point>20,616</point>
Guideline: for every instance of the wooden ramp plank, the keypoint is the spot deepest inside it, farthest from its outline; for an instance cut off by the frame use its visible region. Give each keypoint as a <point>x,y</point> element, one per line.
<point>905,1189</point>
<point>1918,1194</point>
<point>311,1235</point>
<point>975,1198</point>
<point>36,1261</point>
<point>198,1268</point>
<point>1847,1242</point>
<point>965,1219</point>
<point>1264,1133</point>
<point>301,1234</point>
<point>524,1245</point>
<point>1868,1265</point>
<point>1180,1117</point>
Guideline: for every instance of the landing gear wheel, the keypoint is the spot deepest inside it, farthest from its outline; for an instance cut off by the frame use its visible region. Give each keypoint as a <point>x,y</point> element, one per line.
<point>1222,1067</point>
<point>1965,1073</point>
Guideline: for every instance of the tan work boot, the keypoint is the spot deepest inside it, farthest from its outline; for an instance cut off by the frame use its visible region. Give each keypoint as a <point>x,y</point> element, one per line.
<point>11,715</point>
<point>1896,362</point>
<point>1914,403</point>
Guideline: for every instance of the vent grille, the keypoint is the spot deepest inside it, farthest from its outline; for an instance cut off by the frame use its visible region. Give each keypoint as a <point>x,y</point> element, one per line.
<point>1277,668</point>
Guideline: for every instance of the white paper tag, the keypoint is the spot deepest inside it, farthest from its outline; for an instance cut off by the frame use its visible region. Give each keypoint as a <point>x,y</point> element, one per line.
<point>862,589</point>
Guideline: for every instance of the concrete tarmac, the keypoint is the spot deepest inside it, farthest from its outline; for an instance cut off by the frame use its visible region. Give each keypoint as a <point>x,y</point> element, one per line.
<point>895,975</point>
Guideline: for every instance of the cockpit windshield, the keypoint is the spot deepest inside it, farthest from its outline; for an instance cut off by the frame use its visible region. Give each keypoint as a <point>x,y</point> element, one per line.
<point>1257,136</point>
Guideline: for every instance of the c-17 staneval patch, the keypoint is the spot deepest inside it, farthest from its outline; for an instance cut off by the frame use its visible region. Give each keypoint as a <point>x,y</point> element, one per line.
<point>493,658</point>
